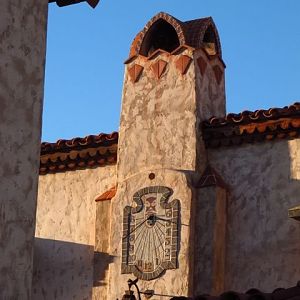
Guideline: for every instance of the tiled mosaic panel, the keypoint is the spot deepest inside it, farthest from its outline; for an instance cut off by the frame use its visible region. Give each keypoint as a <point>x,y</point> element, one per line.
<point>150,233</point>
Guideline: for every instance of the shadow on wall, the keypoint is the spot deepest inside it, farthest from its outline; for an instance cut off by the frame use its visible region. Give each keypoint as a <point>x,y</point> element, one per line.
<point>101,262</point>
<point>64,270</point>
<point>263,244</point>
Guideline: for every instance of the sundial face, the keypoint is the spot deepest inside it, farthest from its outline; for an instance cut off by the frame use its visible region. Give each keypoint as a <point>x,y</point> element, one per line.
<point>150,233</point>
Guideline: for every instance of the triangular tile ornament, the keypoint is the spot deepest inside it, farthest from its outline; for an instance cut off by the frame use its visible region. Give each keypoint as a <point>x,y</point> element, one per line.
<point>183,63</point>
<point>157,53</point>
<point>108,195</point>
<point>158,68</point>
<point>210,178</point>
<point>218,73</point>
<point>135,72</point>
<point>202,65</point>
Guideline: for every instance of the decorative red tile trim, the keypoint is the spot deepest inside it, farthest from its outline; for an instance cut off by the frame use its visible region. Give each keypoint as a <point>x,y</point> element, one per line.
<point>108,195</point>
<point>135,72</point>
<point>182,48</point>
<point>158,68</point>
<point>134,57</point>
<point>250,127</point>
<point>183,63</point>
<point>157,53</point>
<point>210,178</point>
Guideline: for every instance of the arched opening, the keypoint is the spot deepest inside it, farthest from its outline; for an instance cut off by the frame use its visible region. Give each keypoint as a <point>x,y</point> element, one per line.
<point>210,41</point>
<point>161,35</point>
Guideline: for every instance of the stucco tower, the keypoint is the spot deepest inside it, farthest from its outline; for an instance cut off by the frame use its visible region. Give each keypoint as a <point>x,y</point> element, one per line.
<point>174,79</point>
<point>22,50</point>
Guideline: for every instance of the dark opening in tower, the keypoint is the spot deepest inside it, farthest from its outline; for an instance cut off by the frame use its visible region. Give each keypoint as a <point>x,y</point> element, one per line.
<point>161,35</point>
<point>210,41</point>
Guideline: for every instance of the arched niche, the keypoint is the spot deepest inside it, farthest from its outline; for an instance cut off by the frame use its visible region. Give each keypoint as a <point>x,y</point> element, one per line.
<point>210,41</point>
<point>168,33</point>
<point>161,35</point>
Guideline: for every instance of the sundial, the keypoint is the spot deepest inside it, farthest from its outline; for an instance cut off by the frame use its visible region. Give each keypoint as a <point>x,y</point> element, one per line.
<point>150,233</point>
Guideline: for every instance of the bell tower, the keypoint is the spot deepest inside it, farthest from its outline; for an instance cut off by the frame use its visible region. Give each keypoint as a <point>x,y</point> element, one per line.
<point>174,79</point>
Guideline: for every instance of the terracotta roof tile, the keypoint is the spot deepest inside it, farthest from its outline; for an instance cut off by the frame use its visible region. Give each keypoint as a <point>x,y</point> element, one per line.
<point>90,141</point>
<point>261,115</point>
<point>249,127</point>
<point>108,195</point>
<point>79,153</point>
<point>235,129</point>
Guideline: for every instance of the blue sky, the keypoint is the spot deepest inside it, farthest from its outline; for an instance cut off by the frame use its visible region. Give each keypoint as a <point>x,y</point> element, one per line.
<point>86,49</point>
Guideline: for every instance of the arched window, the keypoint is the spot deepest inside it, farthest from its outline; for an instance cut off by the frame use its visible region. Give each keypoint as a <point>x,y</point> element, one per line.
<point>210,41</point>
<point>161,35</point>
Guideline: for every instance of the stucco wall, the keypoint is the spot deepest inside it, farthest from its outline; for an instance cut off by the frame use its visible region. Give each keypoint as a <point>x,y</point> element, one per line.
<point>102,256</point>
<point>65,233</point>
<point>209,240</point>
<point>209,92</point>
<point>157,134</point>
<point>173,282</point>
<point>156,114</point>
<point>263,248</point>
<point>22,52</point>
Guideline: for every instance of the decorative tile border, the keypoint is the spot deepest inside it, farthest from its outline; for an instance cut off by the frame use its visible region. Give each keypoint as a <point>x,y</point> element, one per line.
<point>171,230</point>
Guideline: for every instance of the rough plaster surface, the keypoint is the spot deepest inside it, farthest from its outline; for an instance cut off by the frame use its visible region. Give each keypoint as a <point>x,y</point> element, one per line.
<point>263,247</point>
<point>65,233</point>
<point>102,258</point>
<point>204,223</point>
<point>173,282</point>
<point>159,132</point>
<point>210,94</point>
<point>158,120</point>
<point>22,57</point>
<point>209,240</point>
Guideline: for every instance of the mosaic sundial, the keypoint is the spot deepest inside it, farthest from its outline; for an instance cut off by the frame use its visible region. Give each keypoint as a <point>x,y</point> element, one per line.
<point>150,233</point>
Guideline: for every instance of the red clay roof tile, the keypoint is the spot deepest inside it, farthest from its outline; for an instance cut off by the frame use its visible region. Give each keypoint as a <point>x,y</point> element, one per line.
<point>90,141</point>
<point>79,153</point>
<point>108,195</point>
<point>249,127</point>
<point>234,129</point>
